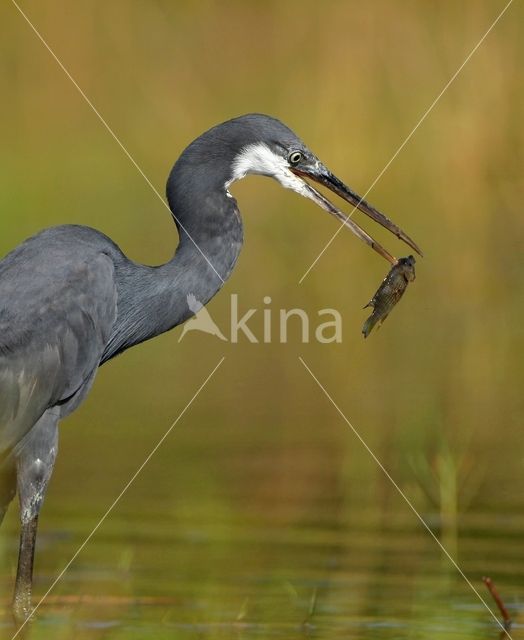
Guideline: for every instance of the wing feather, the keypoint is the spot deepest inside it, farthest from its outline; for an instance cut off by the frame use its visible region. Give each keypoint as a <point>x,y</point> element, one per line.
<point>57,308</point>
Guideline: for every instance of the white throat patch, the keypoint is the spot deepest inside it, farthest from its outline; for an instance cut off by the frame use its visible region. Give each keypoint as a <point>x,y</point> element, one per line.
<point>257,158</point>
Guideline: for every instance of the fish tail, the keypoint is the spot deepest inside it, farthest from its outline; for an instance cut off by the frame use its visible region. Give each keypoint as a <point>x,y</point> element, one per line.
<point>368,325</point>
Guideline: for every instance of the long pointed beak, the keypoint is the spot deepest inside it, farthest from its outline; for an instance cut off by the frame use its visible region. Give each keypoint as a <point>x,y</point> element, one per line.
<point>320,174</point>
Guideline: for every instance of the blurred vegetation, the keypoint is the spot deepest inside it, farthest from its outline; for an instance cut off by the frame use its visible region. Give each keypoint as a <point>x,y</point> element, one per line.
<point>262,506</point>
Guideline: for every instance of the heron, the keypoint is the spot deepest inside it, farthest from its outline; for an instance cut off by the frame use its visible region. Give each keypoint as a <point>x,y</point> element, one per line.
<point>70,300</point>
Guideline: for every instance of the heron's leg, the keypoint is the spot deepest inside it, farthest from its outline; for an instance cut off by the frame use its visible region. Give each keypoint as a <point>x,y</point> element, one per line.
<point>35,460</point>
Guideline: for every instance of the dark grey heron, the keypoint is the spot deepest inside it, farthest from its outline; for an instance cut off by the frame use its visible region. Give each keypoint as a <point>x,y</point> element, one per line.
<point>70,300</point>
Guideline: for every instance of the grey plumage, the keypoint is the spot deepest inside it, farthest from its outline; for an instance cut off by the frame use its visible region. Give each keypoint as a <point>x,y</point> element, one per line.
<point>57,309</point>
<point>70,300</point>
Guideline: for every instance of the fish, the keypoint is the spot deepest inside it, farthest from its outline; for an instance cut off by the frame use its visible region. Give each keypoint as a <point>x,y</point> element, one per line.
<point>389,293</point>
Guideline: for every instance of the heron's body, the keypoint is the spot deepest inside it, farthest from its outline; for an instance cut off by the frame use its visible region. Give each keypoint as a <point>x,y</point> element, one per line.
<point>70,299</point>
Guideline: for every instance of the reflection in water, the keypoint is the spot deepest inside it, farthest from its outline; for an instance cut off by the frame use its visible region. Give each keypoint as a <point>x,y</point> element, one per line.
<point>284,552</point>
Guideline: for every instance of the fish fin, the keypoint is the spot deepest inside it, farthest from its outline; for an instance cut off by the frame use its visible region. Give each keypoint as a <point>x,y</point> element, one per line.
<point>368,325</point>
<point>369,304</point>
<point>381,321</point>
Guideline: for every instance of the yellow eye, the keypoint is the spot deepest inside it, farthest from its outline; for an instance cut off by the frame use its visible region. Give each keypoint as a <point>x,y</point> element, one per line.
<point>295,157</point>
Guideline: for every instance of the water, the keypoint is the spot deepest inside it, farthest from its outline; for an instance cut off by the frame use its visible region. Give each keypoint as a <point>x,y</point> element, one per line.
<point>265,553</point>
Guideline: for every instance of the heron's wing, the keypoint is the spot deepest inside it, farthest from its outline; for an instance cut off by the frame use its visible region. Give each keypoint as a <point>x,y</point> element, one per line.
<point>57,308</point>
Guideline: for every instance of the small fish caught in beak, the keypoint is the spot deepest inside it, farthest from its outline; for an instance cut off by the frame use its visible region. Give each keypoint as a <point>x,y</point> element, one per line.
<point>389,293</point>
<point>320,174</point>
<point>403,270</point>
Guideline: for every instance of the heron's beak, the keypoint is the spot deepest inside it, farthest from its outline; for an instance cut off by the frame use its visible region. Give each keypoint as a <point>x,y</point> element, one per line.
<point>320,174</point>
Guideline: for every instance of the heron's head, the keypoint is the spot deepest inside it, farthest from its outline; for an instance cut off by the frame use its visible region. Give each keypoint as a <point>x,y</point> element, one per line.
<point>260,144</point>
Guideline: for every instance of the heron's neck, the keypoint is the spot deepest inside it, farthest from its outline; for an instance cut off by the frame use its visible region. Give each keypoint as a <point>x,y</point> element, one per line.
<point>205,257</point>
<point>152,300</point>
<point>210,231</point>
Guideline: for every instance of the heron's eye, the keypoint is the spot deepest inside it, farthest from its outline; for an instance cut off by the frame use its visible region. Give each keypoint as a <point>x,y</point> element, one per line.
<point>295,157</point>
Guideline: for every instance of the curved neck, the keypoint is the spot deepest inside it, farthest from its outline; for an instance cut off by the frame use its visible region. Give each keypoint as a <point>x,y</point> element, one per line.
<point>153,300</point>
<point>209,246</point>
<point>209,227</point>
